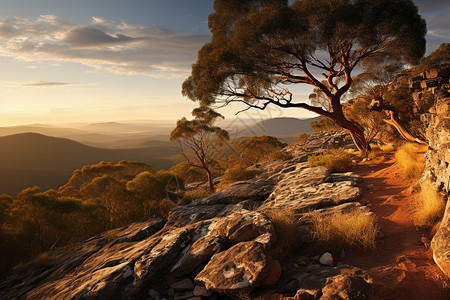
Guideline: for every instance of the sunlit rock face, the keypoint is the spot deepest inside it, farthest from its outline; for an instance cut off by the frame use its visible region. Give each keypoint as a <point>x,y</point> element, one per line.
<point>431,91</point>
<point>219,246</point>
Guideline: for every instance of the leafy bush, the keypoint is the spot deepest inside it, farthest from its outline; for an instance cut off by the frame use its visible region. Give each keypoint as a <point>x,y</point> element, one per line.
<point>429,205</point>
<point>302,137</point>
<point>188,172</point>
<point>411,159</point>
<point>239,173</point>
<point>279,155</point>
<point>335,160</point>
<point>355,229</point>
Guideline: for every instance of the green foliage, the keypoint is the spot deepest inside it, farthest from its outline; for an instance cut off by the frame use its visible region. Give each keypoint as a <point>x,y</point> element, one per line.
<point>335,160</point>
<point>94,202</point>
<point>188,172</point>
<point>259,48</point>
<point>124,170</point>
<point>239,173</point>
<point>155,186</point>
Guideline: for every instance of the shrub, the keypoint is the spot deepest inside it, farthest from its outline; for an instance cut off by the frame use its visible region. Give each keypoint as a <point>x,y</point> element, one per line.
<point>355,229</point>
<point>192,195</point>
<point>429,205</point>
<point>239,173</point>
<point>335,160</point>
<point>279,155</point>
<point>302,137</point>
<point>410,158</point>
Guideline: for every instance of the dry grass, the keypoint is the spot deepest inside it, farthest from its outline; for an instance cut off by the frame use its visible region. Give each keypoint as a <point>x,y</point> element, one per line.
<point>285,223</point>
<point>355,229</point>
<point>192,195</point>
<point>411,159</point>
<point>429,205</point>
<point>388,148</point>
<point>335,160</point>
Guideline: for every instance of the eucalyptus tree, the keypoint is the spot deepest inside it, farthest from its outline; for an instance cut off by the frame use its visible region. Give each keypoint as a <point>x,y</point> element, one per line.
<point>260,48</point>
<point>198,138</point>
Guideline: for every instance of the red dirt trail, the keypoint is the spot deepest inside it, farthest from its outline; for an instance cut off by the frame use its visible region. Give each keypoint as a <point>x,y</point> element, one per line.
<point>401,266</point>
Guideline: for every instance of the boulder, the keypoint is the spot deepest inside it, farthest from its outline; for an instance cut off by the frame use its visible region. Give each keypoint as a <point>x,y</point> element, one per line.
<point>237,270</point>
<point>440,244</point>
<point>343,282</point>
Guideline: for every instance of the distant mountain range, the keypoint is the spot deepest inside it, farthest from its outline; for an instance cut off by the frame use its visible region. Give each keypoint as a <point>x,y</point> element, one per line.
<point>46,155</point>
<point>28,159</point>
<point>286,129</point>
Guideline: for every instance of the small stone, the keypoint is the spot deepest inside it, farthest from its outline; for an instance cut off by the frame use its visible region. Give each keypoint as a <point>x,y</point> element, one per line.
<point>326,259</point>
<point>370,186</point>
<point>201,291</point>
<point>183,285</point>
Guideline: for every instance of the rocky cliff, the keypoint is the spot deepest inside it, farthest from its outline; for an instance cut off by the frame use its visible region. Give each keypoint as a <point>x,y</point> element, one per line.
<point>431,92</point>
<point>218,247</point>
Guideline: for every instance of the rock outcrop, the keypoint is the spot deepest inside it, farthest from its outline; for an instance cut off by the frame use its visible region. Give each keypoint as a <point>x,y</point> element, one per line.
<point>218,245</point>
<point>431,93</point>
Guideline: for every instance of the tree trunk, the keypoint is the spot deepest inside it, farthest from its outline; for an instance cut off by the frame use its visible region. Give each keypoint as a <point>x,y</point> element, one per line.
<point>358,137</point>
<point>394,120</point>
<point>210,179</point>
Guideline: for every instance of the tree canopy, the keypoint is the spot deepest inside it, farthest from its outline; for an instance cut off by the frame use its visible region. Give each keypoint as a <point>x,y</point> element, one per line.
<point>259,48</point>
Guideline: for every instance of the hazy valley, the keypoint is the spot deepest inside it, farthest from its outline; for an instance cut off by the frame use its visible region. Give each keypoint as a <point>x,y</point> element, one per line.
<point>47,155</point>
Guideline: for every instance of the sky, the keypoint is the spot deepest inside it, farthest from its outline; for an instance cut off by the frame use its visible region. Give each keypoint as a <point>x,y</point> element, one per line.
<point>68,61</point>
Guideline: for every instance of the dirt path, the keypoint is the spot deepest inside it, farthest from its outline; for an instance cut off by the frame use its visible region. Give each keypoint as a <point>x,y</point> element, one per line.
<point>402,267</point>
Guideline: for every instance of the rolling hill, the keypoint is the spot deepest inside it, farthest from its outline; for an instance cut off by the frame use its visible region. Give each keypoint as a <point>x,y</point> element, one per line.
<point>28,159</point>
<point>279,127</point>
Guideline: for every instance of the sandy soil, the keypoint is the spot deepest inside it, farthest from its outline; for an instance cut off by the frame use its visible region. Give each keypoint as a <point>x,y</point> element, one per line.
<point>402,265</point>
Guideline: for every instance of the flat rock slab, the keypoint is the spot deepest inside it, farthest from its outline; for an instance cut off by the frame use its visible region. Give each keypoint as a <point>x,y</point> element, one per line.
<point>306,189</point>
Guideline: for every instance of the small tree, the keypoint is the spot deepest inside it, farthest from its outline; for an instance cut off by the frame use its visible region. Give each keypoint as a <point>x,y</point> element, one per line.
<point>259,48</point>
<point>196,139</point>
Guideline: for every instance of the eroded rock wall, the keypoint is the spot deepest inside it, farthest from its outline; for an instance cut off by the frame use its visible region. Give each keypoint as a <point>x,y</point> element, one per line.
<point>431,92</point>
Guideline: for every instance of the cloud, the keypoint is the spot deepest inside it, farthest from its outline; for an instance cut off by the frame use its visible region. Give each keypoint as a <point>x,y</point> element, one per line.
<point>88,37</point>
<point>45,84</point>
<point>102,44</point>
